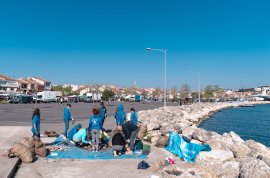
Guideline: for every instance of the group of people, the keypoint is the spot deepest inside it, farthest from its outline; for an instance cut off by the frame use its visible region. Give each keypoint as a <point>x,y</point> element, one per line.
<point>123,137</point>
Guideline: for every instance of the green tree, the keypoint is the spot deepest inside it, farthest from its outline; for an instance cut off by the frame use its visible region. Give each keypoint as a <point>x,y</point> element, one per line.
<point>209,91</point>
<point>213,91</point>
<point>185,91</point>
<point>57,88</point>
<point>107,94</point>
<point>218,91</point>
<point>67,91</point>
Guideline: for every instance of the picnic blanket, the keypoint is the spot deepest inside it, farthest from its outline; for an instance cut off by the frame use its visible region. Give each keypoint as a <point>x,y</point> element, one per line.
<point>183,148</point>
<point>70,151</point>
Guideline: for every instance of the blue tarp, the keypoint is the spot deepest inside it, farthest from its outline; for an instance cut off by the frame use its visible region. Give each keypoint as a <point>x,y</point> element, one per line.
<point>74,152</point>
<point>184,149</point>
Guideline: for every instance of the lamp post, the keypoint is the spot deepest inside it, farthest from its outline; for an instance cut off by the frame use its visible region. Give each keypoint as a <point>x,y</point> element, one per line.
<point>199,83</point>
<point>165,72</point>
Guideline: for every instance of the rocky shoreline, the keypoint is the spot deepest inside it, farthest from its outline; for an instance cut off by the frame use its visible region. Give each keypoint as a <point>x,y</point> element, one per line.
<point>231,156</point>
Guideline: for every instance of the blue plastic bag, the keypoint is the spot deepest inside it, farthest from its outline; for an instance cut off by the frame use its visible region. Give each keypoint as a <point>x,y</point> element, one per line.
<point>184,149</point>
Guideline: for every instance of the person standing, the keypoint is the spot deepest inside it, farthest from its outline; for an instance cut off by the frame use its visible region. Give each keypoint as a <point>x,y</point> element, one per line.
<point>134,128</point>
<point>36,123</point>
<point>103,112</point>
<point>95,125</point>
<point>120,115</point>
<point>67,118</point>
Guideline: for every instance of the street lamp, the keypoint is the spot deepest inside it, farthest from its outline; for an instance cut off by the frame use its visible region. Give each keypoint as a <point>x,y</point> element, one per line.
<point>165,72</point>
<point>199,83</point>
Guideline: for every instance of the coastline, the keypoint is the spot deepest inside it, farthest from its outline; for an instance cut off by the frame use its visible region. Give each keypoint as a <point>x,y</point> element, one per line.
<point>231,156</point>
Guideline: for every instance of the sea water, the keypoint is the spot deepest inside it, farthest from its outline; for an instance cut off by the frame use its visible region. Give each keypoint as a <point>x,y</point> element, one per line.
<point>248,122</point>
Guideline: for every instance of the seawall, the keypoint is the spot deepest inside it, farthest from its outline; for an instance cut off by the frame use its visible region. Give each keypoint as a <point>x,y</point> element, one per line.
<point>231,156</point>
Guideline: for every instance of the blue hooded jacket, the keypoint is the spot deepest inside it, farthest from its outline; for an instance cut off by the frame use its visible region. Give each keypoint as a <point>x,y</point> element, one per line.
<point>67,115</point>
<point>134,118</point>
<point>73,131</point>
<point>35,122</point>
<point>95,123</point>
<point>102,112</point>
<point>120,115</point>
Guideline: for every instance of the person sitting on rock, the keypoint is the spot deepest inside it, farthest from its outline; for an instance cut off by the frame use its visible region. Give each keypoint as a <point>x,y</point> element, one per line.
<point>118,141</point>
<point>73,131</point>
<point>79,137</point>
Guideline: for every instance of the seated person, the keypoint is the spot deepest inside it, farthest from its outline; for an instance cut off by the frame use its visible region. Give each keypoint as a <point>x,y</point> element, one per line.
<point>73,131</point>
<point>79,137</point>
<point>118,141</point>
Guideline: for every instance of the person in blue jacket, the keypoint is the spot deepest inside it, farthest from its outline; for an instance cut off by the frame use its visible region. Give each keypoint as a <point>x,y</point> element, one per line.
<point>120,115</point>
<point>73,131</point>
<point>67,118</point>
<point>36,123</point>
<point>95,125</point>
<point>134,128</point>
<point>79,137</point>
<point>103,112</point>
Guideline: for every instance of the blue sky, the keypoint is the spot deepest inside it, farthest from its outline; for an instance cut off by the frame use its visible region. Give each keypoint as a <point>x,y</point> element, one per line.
<point>104,41</point>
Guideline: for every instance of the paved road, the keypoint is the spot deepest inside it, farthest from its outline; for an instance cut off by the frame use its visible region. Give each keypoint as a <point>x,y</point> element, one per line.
<point>52,114</point>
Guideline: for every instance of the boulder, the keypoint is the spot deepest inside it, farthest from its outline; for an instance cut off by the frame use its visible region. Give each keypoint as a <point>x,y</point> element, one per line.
<point>187,170</point>
<point>253,168</point>
<point>229,169</point>
<point>215,157</point>
<point>165,129</point>
<point>236,138</point>
<point>200,135</point>
<point>240,151</point>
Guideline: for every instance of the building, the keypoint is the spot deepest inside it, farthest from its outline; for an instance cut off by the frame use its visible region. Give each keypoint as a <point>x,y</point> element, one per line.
<point>8,85</point>
<point>27,86</point>
<point>42,84</point>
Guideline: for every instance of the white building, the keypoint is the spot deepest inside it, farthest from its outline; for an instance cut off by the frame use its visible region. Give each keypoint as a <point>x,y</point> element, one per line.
<point>8,85</point>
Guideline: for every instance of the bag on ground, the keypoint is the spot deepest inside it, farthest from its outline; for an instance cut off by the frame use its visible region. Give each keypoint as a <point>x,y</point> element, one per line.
<point>143,165</point>
<point>29,142</point>
<point>21,151</point>
<point>42,152</point>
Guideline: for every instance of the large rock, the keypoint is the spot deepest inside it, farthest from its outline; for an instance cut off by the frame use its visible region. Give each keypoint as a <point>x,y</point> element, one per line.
<point>236,138</point>
<point>214,157</point>
<point>253,168</point>
<point>240,151</point>
<point>200,135</point>
<point>229,169</point>
<point>187,170</point>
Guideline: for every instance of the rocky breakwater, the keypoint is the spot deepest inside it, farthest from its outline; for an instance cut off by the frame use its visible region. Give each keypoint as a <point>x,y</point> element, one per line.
<point>231,156</point>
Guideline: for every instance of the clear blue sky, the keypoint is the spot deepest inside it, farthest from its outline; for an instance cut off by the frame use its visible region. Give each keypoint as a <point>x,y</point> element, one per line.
<point>103,42</point>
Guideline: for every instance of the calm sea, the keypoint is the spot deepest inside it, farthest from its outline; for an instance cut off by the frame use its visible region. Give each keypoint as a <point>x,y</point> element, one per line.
<point>249,123</point>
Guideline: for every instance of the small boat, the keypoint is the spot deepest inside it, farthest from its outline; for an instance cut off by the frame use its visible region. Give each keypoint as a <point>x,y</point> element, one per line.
<point>247,105</point>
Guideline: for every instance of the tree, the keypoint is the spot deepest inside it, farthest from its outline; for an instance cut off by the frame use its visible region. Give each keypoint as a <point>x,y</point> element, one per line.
<point>57,88</point>
<point>107,94</point>
<point>209,91</point>
<point>185,91</point>
<point>218,91</point>
<point>67,91</point>
<point>213,91</point>
<point>174,93</point>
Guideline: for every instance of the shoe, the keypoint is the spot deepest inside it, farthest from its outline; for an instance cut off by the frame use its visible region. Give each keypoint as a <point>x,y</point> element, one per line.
<point>64,137</point>
<point>72,142</point>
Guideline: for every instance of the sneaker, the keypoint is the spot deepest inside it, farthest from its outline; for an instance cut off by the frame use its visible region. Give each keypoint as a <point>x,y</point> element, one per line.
<point>72,142</point>
<point>64,137</point>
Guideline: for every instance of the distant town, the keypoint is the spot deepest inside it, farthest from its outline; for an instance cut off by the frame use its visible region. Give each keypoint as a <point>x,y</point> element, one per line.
<point>33,86</point>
